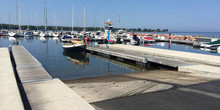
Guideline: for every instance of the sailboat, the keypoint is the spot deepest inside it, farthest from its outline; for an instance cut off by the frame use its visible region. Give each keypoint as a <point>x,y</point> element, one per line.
<point>36,32</point>
<point>45,33</point>
<point>19,32</point>
<point>55,34</point>
<point>76,45</point>
<point>16,33</point>
<point>28,33</point>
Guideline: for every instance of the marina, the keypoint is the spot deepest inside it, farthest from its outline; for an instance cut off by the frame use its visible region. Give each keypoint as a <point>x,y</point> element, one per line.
<point>48,63</point>
<point>99,55</point>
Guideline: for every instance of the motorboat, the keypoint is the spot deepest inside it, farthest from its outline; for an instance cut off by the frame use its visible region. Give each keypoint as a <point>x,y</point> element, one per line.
<point>67,38</point>
<point>28,34</point>
<point>74,45</point>
<point>4,32</point>
<point>212,45</point>
<point>148,38</point>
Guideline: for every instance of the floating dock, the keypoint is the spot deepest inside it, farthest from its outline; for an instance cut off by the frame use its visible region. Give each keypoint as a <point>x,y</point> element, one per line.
<point>183,61</point>
<point>176,41</point>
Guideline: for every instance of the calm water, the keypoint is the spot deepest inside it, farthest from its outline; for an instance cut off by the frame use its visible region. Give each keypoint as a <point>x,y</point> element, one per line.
<point>69,65</point>
<point>179,47</point>
<point>204,34</point>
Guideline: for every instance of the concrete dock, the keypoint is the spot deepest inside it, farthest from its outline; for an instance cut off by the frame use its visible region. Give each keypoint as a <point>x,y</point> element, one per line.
<point>28,68</point>
<point>37,90</point>
<point>183,61</point>
<point>176,41</point>
<point>10,95</point>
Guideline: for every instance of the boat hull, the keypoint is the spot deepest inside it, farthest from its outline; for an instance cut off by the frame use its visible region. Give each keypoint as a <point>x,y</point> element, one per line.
<point>81,48</point>
<point>214,47</point>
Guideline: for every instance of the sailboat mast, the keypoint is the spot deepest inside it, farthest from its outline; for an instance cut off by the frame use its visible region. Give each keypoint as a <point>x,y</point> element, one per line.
<point>94,20</point>
<point>1,23</point>
<point>72,18</point>
<point>77,23</point>
<point>101,21</point>
<point>84,19</point>
<point>61,23</point>
<point>28,20</point>
<point>9,19</point>
<point>19,24</point>
<point>55,20</point>
<point>36,19</point>
<point>16,11</point>
<point>45,15</point>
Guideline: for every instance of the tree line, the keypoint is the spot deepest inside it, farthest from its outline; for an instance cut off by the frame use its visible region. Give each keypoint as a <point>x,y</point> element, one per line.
<point>31,27</point>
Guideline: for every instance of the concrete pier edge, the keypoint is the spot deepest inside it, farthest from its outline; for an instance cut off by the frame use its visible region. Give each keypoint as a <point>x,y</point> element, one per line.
<point>41,90</point>
<point>183,61</point>
<point>10,95</point>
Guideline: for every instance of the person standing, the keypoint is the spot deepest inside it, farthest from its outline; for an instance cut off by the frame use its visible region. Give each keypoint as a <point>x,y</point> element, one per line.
<point>86,39</point>
<point>170,40</point>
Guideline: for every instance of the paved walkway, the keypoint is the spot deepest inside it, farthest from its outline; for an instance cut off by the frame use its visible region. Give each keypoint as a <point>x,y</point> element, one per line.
<point>9,93</point>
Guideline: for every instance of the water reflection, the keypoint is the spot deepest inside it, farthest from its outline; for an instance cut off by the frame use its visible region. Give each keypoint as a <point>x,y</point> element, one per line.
<point>13,40</point>
<point>43,39</point>
<point>78,59</point>
<point>29,39</point>
<point>70,65</point>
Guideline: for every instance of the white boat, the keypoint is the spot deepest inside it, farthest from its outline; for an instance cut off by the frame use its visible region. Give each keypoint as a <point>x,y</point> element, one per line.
<point>15,33</point>
<point>12,34</point>
<point>4,32</point>
<point>36,33</point>
<point>45,34</point>
<point>55,34</point>
<point>148,39</point>
<point>212,45</point>
<point>28,34</point>
<point>74,45</point>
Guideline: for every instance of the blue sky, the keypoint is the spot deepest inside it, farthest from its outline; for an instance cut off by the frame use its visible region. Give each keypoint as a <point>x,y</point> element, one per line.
<point>176,15</point>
